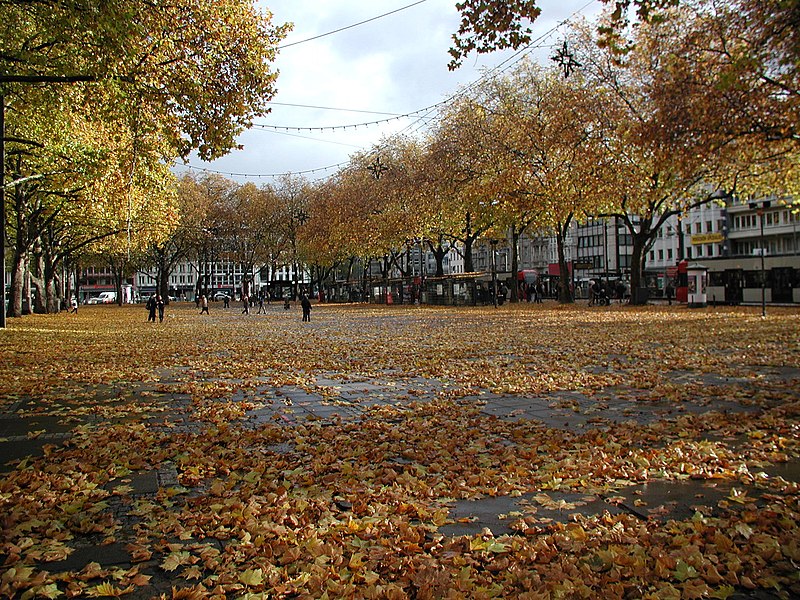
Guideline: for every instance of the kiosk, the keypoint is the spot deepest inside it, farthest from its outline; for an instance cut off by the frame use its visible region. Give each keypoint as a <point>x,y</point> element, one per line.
<point>696,283</point>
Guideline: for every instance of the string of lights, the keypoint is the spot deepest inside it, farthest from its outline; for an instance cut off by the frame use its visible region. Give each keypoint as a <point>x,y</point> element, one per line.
<point>260,175</point>
<point>508,63</point>
<point>421,116</point>
<point>413,114</point>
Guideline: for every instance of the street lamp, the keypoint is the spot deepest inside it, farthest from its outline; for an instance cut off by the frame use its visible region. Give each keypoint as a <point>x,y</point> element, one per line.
<point>494,243</point>
<point>760,207</point>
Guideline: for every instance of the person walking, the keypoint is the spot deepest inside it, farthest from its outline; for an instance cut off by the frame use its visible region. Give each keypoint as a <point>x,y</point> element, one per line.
<point>161,305</point>
<point>151,308</point>
<point>261,309</point>
<point>246,303</point>
<point>203,304</point>
<point>305,303</point>
<point>74,305</point>
<point>670,292</point>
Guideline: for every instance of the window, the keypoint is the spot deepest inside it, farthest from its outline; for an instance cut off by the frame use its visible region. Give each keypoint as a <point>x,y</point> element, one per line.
<point>661,255</point>
<point>689,253</point>
<point>709,227</point>
<point>752,279</point>
<point>709,250</point>
<point>698,227</point>
<point>669,254</point>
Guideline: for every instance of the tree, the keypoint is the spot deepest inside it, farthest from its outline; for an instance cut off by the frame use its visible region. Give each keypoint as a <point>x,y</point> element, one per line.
<point>88,173</point>
<point>190,212</point>
<point>207,223</point>
<point>487,26</point>
<point>153,55</point>
<point>649,177</point>
<point>730,83</point>
<point>139,78</point>
<point>462,171</point>
<point>548,152</point>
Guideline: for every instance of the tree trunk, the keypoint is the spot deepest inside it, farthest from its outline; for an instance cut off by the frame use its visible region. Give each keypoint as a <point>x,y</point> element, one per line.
<point>17,281</point>
<point>468,264</point>
<point>640,241</point>
<point>439,252</point>
<point>27,305</point>
<point>514,263</point>
<point>565,295</point>
<point>37,280</point>
<point>54,295</point>
<point>636,269</point>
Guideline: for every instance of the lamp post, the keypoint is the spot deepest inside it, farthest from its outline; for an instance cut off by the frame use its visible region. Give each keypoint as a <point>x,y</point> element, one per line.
<point>493,244</point>
<point>3,204</point>
<point>760,207</point>
<point>419,243</point>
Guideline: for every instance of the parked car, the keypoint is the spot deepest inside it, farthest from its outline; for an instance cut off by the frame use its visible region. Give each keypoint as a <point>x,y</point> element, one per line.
<point>103,298</point>
<point>221,296</point>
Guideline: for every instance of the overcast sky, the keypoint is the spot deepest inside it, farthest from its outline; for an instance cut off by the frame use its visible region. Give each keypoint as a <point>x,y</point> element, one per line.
<point>390,66</point>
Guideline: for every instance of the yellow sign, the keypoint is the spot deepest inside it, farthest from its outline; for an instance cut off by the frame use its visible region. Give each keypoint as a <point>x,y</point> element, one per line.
<point>707,238</point>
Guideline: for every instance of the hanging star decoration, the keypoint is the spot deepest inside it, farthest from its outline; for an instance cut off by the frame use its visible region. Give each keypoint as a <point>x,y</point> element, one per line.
<point>377,168</point>
<point>566,60</point>
<point>300,215</point>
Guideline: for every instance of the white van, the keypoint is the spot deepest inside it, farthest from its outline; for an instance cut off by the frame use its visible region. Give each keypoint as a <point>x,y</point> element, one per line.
<point>103,298</point>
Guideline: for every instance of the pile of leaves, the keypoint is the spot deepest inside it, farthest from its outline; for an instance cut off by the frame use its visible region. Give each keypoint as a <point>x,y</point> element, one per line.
<point>352,508</point>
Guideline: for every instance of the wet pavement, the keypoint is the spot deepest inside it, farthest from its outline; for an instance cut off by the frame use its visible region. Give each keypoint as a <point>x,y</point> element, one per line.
<point>30,428</point>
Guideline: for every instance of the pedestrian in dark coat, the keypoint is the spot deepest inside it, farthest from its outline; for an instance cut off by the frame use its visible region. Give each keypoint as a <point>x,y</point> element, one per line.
<point>151,308</point>
<point>161,304</point>
<point>305,303</point>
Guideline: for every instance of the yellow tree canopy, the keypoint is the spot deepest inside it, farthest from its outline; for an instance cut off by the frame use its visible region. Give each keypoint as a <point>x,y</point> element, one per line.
<point>202,68</point>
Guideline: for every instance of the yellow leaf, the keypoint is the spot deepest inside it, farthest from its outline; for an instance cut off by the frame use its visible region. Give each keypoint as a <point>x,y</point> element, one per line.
<point>744,529</point>
<point>105,590</point>
<point>49,591</point>
<point>175,560</point>
<point>252,577</point>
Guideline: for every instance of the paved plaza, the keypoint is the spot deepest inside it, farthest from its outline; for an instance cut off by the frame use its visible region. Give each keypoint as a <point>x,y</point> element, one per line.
<point>366,378</point>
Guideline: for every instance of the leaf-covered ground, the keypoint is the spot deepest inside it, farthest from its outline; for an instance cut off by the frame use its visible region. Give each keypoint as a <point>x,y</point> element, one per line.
<point>322,460</point>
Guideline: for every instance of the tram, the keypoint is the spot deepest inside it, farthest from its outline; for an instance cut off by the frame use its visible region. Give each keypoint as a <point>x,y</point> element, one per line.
<point>740,280</point>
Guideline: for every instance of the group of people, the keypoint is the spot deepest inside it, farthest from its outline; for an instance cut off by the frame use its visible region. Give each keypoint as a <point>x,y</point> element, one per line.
<point>600,293</point>
<point>155,303</point>
<point>247,302</point>
<point>532,292</point>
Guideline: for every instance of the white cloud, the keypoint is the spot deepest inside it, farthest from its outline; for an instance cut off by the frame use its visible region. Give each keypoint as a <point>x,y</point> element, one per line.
<point>396,64</point>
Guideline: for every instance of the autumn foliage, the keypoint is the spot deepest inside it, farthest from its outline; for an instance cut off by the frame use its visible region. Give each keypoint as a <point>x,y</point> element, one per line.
<point>351,505</point>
